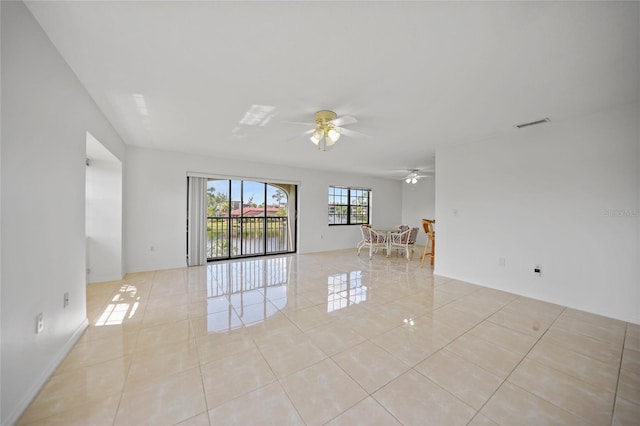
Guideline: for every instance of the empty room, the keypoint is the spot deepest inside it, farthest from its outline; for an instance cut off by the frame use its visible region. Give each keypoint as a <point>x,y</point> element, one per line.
<point>320,213</point>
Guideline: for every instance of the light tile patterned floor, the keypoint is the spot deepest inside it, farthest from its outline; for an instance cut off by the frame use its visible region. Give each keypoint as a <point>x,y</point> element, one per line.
<point>333,338</point>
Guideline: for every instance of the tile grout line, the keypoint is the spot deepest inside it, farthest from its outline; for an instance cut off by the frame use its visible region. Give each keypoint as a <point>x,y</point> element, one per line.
<point>410,367</point>
<point>615,393</point>
<point>552,368</point>
<point>517,365</point>
<point>115,416</point>
<point>276,376</point>
<point>368,395</point>
<point>467,331</point>
<point>330,357</point>
<point>204,392</point>
<point>582,355</point>
<point>277,379</point>
<point>195,338</point>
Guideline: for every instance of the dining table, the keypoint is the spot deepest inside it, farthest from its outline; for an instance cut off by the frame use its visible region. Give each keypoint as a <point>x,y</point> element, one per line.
<point>387,231</point>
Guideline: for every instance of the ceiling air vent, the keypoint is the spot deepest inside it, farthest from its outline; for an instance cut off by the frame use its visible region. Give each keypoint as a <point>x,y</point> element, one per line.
<point>532,123</point>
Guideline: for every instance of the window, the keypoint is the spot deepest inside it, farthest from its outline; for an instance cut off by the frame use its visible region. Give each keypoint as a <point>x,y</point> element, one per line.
<point>348,206</point>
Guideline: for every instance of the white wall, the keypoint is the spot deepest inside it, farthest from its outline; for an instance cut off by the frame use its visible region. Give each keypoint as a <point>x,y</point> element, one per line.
<point>156,204</point>
<point>0,221</point>
<point>45,116</point>
<point>103,214</point>
<point>562,194</point>
<point>419,202</point>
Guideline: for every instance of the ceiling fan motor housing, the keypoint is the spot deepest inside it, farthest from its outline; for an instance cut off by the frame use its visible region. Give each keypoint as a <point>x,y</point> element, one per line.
<point>326,132</point>
<point>324,116</point>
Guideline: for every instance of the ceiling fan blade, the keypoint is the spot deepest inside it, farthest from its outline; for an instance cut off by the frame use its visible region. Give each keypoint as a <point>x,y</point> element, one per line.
<point>300,135</point>
<point>344,120</point>
<point>353,133</point>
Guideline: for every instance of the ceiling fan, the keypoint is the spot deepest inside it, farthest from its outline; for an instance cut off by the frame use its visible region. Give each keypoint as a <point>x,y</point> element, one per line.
<point>414,175</point>
<point>328,128</point>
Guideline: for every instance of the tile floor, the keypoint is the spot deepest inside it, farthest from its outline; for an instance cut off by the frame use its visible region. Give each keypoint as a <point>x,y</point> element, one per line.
<point>333,338</point>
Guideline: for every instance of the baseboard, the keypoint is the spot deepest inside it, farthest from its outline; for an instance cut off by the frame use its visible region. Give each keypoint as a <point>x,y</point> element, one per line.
<point>13,418</point>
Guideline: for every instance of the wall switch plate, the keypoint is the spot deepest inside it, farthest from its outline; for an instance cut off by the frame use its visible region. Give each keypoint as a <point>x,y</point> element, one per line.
<point>39,323</point>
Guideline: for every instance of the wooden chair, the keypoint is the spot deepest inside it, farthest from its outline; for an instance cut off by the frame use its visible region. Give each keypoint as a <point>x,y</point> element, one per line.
<point>430,246</point>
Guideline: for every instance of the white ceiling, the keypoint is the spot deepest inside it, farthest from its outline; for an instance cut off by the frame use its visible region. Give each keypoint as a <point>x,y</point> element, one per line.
<point>181,76</point>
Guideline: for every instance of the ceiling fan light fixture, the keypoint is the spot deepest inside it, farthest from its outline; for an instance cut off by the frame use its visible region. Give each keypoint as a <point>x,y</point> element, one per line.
<point>325,133</point>
<point>412,178</point>
<point>327,130</point>
<point>316,137</point>
<point>333,135</point>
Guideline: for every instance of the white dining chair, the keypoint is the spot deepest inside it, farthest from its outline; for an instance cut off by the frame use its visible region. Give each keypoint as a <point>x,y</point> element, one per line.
<point>373,240</point>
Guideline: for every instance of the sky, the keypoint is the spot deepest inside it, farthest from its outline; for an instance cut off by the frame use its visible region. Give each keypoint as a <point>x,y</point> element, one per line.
<point>250,189</point>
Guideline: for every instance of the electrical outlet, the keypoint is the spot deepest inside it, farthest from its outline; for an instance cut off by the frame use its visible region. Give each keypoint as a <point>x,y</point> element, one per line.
<point>39,323</point>
<point>66,300</point>
<point>537,270</point>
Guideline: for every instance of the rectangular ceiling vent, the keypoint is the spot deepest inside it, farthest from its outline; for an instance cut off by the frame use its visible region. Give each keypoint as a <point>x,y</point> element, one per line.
<point>532,123</point>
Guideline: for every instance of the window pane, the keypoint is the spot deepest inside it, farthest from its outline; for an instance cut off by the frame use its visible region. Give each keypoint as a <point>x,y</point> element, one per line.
<point>276,201</point>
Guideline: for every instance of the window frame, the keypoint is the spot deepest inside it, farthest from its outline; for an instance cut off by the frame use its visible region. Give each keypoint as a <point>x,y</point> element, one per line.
<point>346,204</point>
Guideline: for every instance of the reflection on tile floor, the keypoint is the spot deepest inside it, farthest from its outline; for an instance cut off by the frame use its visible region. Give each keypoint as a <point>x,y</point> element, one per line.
<point>333,338</point>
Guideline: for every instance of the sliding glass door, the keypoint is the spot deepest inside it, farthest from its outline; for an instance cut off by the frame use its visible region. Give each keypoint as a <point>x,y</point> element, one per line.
<point>246,218</point>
